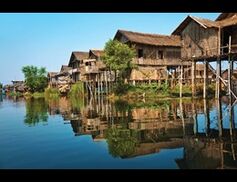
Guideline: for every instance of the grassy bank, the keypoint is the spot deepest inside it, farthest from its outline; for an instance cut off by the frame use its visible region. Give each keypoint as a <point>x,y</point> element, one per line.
<point>151,91</point>
<point>49,93</point>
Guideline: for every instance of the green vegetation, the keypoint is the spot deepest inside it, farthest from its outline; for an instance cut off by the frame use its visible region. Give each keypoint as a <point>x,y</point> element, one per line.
<point>35,78</point>
<point>15,94</point>
<point>36,111</point>
<point>154,90</point>
<point>51,93</point>
<point>77,90</point>
<point>118,57</point>
<point>121,142</point>
<point>35,95</point>
<point>77,103</point>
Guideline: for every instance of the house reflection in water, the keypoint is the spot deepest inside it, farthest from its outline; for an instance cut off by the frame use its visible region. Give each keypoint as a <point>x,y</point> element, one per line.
<point>140,128</point>
<point>213,149</point>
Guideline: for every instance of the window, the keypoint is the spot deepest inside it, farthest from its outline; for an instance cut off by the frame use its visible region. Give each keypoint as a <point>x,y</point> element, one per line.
<point>160,55</point>
<point>140,53</point>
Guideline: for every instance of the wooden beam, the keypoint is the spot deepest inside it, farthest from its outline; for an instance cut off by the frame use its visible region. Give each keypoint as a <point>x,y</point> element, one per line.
<point>193,69</point>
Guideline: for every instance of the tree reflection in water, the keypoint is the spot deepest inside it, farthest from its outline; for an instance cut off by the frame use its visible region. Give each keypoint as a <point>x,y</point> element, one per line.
<point>36,111</point>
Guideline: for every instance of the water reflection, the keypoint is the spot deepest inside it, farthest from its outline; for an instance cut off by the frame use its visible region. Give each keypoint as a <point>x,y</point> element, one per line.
<point>140,128</point>
<point>36,111</point>
<point>205,129</point>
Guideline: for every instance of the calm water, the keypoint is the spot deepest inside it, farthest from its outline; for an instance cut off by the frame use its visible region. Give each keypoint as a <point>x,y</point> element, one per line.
<point>168,134</point>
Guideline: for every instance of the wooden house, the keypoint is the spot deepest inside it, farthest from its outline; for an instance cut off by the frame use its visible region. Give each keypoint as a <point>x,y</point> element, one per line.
<point>203,38</point>
<point>228,28</point>
<point>75,62</point>
<point>156,54</point>
<point>95,74</point>
<point>198,37</point>
<point>52,79</point>
<point>64,79</point>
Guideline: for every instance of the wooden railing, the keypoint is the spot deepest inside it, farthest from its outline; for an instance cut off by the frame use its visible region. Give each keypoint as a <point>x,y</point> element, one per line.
<point>158,62</point>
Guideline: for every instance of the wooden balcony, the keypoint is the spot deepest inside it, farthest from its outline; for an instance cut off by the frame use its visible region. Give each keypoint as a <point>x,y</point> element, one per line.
<point>89,70</point>
<point>159,62</point>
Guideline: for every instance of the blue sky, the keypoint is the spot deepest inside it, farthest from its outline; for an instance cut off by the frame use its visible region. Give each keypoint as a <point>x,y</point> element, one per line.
<point>47,40</point>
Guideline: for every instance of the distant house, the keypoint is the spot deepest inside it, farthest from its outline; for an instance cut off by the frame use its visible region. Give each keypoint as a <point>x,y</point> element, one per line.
<point>18,86</point>
<point>75,62</point>
<point>64,79</point>
<point>224,76</point>
<point>156,54</point>
<point>52,79</point>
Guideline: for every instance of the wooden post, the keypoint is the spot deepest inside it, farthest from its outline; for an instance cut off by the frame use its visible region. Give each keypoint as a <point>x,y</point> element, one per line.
<point>182,115</point>
<point>101,84</point>
<point>167,75</point>
<point>218,75</point>
<point>195,123</point>
<point>207,118</point>
<point>193,78</point>
<point>134,82</point>
<point>106,82</point>
<point>219,116</point>
<point>229,68</point>
<point>205,80</point>
<point>181,82</point>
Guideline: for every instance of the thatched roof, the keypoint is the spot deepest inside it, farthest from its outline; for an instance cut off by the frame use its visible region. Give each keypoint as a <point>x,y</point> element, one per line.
<point>225,19</point>
<point>52,74</point>
<point>78,56</point>
<point>223,16</point>
<point>96,53</point>
<point>205,23</point>
<point>149,39</point>
<point>228,21</point>
<point>65,68</point>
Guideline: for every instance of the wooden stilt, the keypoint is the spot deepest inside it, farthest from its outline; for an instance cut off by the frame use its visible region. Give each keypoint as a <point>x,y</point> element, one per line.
<point>193,78</point>
<point>207,117</point>
<point>181,82</point>
<point>106,82</point>
<point>229,68</point>
<point>134,82</point>
<point>219,116</point>
<point>205,80</point>
<point>195,123</point>
<point>182,115</point>
<point>101,84</point>
<point>218,75</point>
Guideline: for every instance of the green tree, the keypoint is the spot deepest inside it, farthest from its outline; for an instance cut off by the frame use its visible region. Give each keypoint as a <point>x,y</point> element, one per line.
<point>118,57</point>
<point>35,78</point>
